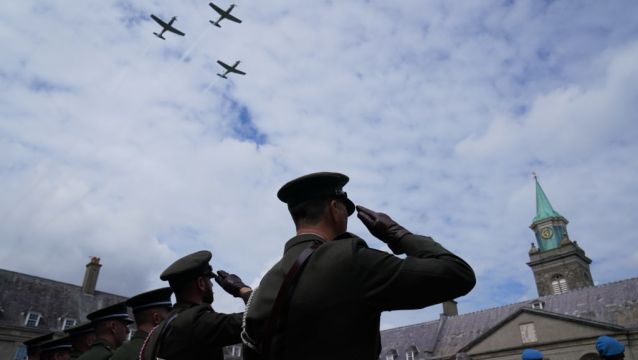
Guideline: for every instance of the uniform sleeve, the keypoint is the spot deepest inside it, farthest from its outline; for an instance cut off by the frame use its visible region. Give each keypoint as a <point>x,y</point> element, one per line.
<point>218,329</point>
<point>429,274</point>
<point>119,354</point>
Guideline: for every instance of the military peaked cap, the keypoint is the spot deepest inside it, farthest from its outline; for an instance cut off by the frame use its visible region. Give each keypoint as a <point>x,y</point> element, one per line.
<point>63,343</point>
<point>532,354</point>
<point>151,299</point>
<point>33,344</point>
<point>189,267</point>
<point>608,346</point>
<point>116,312</point>
<point>79,330</point>
<point>316,186</point>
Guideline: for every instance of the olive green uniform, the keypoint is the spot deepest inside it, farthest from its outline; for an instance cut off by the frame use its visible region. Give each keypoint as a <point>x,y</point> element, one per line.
<point>335,309</point>
<point>198,332</point>
<point>100,350</point>
<point>75,354</point>
<point>130,350</point>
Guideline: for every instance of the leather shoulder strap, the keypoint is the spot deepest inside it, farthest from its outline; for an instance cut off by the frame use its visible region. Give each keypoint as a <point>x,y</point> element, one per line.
<point>283,298</point>
<point>156,346</point>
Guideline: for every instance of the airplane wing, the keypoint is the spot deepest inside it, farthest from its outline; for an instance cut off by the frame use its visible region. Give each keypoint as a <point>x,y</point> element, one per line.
<point>224,14</point>
<point>232,18</point>
<point>173,30</point>
<point>219,10</point>
<point>226,66</point>
<point>159,21</point>
<point>237,71</point>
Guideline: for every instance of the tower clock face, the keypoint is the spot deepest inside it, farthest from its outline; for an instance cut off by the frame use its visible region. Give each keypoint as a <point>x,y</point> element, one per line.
<point>546,233</point>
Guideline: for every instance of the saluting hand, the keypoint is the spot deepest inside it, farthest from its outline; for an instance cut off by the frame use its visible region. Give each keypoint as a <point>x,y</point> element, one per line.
<point>382,226</point>
<point>231,283</point>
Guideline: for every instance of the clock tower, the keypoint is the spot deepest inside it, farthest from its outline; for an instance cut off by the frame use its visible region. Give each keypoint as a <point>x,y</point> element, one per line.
<point>558,263</point>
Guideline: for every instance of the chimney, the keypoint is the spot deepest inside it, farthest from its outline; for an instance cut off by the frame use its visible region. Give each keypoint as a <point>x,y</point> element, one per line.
<point>450,308</point>
<point>90,276</point>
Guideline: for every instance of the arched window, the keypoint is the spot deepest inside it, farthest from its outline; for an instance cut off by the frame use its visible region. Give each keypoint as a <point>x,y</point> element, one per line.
<point>559,284</point>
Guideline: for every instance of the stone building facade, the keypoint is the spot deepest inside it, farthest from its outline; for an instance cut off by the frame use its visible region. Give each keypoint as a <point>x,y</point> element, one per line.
<point>563,322</point>
<point>31,306</point>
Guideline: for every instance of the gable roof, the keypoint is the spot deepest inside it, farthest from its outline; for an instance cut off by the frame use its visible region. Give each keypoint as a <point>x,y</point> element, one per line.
<point>53,300</point>
<point>613,303</point>
<point>543,313</point>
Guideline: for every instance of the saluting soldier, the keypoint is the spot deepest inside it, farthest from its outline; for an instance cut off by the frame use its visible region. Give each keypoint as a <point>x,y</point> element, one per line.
<point>57,349</point>
<point>193,329</point>
<point>149,310</point>
<point>111,330</point>
<point>81,338</point>
<point>324,298</point>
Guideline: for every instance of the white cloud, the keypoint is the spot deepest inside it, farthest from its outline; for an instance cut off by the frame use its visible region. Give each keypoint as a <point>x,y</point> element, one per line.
<point>438,111</point>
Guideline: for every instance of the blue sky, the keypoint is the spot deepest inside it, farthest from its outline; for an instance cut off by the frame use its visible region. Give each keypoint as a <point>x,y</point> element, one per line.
<point>114,143</point>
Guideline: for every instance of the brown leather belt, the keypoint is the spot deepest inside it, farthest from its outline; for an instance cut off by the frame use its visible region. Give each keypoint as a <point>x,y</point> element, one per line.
<point>278,314</point>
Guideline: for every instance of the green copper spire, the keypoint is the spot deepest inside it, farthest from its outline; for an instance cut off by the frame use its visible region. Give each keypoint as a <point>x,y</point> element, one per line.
<point>544,209</point>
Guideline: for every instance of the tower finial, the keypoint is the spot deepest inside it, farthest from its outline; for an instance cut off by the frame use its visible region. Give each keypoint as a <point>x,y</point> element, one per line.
<point>534,175</point>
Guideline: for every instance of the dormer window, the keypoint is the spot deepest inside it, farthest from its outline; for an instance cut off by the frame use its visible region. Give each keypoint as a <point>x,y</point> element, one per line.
<point>391,355</point>
<point>68,323</point>
<point>538,305</point>
<point>32,319</point>
<point>409,355</point>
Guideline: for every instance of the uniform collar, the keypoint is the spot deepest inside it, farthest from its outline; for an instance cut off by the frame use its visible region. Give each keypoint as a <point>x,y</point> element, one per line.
<point>103,343</point>
<point>346,235</point>
<point>181,306</point>
<point>303,239</point>
<point>139,334</point>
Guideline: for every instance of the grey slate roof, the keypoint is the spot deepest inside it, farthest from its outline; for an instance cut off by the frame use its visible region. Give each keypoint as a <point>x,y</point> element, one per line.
<point>21,293</point>
<point>423,336</point>
<point>614,303</point>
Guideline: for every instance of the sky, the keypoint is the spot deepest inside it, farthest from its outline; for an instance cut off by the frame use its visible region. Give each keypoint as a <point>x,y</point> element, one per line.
<point>120,145</point>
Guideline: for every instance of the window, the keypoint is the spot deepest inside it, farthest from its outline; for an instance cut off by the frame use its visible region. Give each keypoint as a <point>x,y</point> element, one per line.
<point>538,305</point>
<point>410,354</point>
<point>68,323</point>
<point>21,353</point>
<point>559,284</point>
<point>32,319</point>
<point>391,354</point>
<point>235,351</point>
<point>528,333</point>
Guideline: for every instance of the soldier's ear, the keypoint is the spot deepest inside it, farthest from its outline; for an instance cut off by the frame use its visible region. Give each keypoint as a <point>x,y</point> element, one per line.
<point>90,339</point>
<point>201,283</point>
<point>112,326</point>
<point>157,318</point>
<point>334,209</point>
